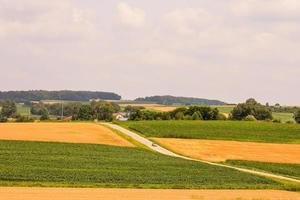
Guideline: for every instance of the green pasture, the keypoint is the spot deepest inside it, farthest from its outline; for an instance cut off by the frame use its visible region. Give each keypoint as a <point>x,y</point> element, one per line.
<point>218,130</point>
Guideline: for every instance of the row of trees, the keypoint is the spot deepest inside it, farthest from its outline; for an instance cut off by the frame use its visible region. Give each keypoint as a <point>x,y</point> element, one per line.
<point>100,110</point>
<point>183,113</point>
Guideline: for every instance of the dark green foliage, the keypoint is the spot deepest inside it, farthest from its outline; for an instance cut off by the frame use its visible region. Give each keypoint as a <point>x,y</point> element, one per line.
<point>197,116</point>
<point>219,130</point>
<point>9,109</point>
<point>104,110</point>
<point>251,107</point>
<point>85,113</point>
<point>297,116</point>
<point>292,170</point>
<point>170,100</point>
<point>39,95</point>
<point>24,119</point>
<point>55,164</point>
<point>44,115</point>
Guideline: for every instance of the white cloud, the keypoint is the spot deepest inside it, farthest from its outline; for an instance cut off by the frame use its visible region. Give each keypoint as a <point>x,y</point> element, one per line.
<point>130,16</point>
<point>188,20</point>
<point>44,20</point>
<point>273,9</point>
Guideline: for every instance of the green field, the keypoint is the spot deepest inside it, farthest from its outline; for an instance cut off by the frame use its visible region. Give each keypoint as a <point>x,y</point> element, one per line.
<point>291,170</point>
<point>219,130</point>
<point>284,117</point>
<point>83,165</point>
<point>224,109</point>
<point>23,110</point>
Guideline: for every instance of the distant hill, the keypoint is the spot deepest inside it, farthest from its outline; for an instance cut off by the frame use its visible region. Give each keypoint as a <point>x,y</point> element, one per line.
<point>67,95</point>
<point>170,100</point>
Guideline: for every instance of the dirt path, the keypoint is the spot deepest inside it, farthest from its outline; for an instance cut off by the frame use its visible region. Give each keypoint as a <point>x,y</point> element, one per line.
<point>61,132</point>
<point>141,194</point>
<point>219,151</point>
<point>164,151</point>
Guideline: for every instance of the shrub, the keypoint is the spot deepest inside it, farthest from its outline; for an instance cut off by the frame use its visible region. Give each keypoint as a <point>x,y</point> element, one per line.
<point>197,116</point>
<point>297,116</point>
<point>290,122</point>
<point>250,118</point>
<point>24,119</point>
<point>277,120</point>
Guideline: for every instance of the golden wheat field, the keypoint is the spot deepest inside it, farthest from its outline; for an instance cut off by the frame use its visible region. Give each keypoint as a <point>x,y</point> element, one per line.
<point>146,194</point>
<point>61,132</point>
<point>218,151</point>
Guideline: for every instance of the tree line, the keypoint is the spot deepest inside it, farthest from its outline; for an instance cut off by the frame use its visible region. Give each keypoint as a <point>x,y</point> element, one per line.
<point>68,95</point>
<point>251,110</point>
<point>171,100</point>
<point>96,110</point>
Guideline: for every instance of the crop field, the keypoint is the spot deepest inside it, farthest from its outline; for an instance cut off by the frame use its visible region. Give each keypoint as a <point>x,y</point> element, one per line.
<point>23,110</point>
<point>88,165</point>
<point>284,117</point>
<point>219,130</point>
<point>61,132</point>
<point>292,170</point>
<point>138,194</point>
<point>220,151</point>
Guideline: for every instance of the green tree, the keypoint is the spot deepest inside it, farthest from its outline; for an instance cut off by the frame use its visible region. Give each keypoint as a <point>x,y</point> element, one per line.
<point>85,113</point>
<point>297,116</point>
<point>251,107</point>
<point>179,116</point>
<point>9,109</point>
<point>44,115</point>
<point>196,116</point>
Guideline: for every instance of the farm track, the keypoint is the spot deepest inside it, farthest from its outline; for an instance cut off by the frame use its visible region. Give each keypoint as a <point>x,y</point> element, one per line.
<point>164,151</point>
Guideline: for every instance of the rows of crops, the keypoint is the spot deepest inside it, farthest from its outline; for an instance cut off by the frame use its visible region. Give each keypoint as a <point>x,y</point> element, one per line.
<point>58,164</point>
<point>219,130</point>
<point>292,170</point>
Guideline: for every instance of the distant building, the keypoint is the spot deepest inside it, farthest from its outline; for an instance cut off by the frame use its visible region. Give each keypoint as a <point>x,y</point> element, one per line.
<point>121,116</point>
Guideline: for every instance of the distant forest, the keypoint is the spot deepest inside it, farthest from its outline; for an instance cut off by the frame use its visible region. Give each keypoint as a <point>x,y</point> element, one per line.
<point>171,100</point>
<point>67,95</point>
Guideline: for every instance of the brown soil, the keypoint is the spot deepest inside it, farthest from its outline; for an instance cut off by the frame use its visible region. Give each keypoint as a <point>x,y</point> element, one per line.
<point>217,151</point>
<point>141,194</point>
<point>61,132</point>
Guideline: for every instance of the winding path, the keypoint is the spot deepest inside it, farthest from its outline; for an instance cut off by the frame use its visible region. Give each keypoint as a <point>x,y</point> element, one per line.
<point>164,151</point>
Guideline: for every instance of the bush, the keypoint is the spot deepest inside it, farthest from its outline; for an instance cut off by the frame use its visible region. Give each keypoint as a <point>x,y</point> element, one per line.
<point>24,119</point>
<point>290,122</point>
<point>197,116</point>
<point>297,116</point>
<point>250,118</point>
<point>3,119</point>
<point>277,120</point>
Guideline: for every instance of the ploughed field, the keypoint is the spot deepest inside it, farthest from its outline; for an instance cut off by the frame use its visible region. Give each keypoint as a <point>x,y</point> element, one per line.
<point>61,132</point>
<point>219,130</point>
<point>24,163</point>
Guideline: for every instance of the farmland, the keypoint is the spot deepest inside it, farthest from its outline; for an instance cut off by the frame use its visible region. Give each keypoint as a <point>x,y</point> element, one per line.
<point>292,170</point>
<point>219,151</point>
<point>219,130</point>
<point>88,165</point>
<point>138,194</point>
<point>61,132</point>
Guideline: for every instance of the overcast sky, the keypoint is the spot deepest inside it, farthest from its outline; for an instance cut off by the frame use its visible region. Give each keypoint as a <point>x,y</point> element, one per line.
<point>227,49</point>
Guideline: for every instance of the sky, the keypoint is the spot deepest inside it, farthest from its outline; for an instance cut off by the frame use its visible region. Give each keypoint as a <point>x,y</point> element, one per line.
<point>228,50</point>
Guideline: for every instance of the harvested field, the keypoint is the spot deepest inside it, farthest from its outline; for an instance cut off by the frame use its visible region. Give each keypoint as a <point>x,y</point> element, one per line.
<point>138,194</point>
<point>219,151</point>
<point>155,107</point>
<point>61,132</point>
